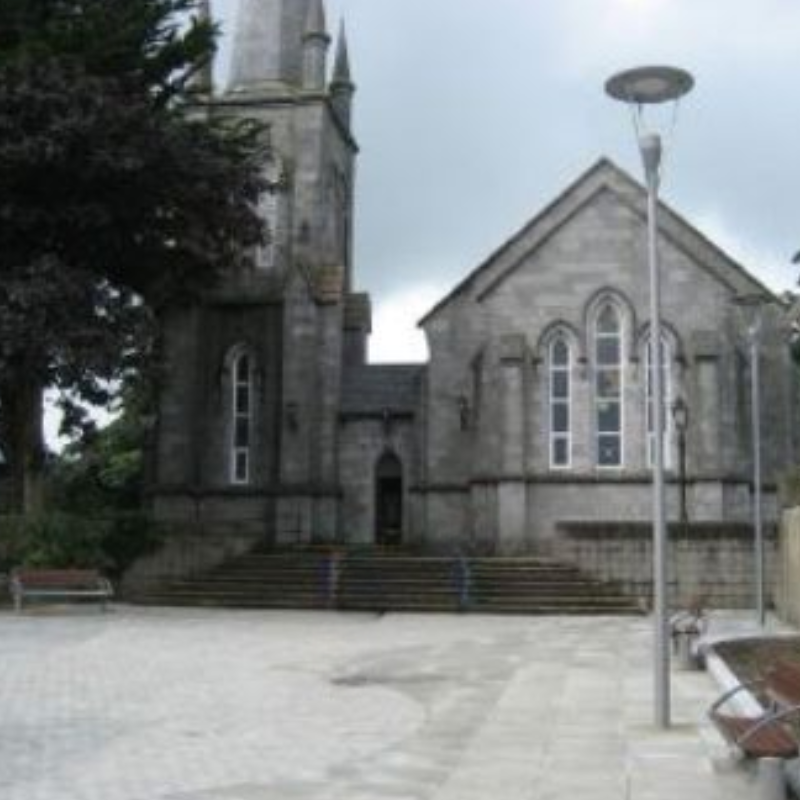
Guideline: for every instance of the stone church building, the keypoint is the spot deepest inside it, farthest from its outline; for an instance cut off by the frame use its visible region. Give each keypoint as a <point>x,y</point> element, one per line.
<point>531,413</point>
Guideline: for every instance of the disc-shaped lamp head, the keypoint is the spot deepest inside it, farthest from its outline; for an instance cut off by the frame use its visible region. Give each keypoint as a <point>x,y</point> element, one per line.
<point>649,85</point>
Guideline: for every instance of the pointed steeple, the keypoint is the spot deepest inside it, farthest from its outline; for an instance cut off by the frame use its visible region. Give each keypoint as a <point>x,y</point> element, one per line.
<point>202,82</point>
<point>341,69</point>
<point>315,47</point>
<point>342,86</point>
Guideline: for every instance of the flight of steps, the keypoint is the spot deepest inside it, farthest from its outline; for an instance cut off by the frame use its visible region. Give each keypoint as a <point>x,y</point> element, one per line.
<point>255,580</point>
<point>396,582</point>
<point>542,586</point>
<point>374,581</point>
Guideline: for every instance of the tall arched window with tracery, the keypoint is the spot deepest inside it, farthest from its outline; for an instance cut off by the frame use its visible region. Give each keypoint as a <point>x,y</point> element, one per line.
<point>241,417</point>
<point>608,386</point>
<point>560,403</point>
<point>668,394</point>
<point>269,211</point>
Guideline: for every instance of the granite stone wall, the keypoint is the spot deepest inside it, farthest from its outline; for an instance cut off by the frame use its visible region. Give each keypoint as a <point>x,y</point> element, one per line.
<point>362,442</point>
<point>489,342</point>
<point>714,562</point>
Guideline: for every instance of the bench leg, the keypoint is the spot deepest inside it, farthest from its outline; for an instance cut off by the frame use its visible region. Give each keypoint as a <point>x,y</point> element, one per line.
<point>770,781</point>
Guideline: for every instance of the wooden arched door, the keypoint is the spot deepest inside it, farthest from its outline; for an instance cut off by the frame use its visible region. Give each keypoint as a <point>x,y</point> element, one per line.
<point>389,500</point>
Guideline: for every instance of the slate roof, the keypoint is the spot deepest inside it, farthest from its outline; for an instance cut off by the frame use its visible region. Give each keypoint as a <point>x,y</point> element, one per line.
<point>374,388</point>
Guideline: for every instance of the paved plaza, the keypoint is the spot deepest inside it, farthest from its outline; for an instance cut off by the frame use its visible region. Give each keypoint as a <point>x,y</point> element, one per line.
<point>166,704</point>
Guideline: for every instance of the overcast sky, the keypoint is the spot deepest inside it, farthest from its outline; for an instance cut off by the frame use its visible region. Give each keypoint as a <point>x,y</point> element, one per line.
<point>473,114</point>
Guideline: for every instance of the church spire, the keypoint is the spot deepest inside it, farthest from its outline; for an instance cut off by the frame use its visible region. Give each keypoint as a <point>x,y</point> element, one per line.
<point>341,70</point>
<point>315,47</point>
<point>342,86</point>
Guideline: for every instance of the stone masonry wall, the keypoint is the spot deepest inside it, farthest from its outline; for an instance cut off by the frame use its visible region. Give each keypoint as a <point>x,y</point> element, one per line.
<point>361,444</point>
<point>714,562</point>
<point>198,539</point>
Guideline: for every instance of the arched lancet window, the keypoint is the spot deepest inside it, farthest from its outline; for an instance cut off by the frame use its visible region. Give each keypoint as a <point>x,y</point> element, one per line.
<point>668,394</point>
<point>560,402</point>
<point>268,209</point>
<point>608,386</point>
<point>241,417</point>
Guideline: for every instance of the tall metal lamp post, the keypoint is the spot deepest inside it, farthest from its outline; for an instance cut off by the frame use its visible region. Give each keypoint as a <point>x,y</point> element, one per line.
<point>751,308</point>
<point>680,417</point>
<point>639,89</point>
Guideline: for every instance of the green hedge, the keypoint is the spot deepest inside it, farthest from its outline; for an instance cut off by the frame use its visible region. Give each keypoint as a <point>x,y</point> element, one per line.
<point>109,543</point>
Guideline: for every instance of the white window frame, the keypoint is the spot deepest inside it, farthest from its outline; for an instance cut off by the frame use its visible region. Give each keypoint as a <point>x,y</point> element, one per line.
<point>237,415</point>
<point>554,401</point>
<point>669,393</point>
<point>597,368</point>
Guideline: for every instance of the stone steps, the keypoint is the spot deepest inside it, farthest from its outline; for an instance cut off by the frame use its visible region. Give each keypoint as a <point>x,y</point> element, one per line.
<point>394,582</point>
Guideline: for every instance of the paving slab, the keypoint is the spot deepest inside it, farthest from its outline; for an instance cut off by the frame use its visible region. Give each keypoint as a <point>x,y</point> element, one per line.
<point>169,704</point>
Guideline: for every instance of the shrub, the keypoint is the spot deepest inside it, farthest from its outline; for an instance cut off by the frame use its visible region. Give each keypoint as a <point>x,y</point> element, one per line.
<point>109,543</point>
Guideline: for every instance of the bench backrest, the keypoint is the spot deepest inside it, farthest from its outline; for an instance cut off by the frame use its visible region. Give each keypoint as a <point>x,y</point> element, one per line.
<point>782,683</point>
<point>67,578</point>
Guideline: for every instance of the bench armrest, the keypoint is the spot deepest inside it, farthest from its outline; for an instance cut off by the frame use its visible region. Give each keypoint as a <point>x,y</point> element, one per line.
<point>722,699</point>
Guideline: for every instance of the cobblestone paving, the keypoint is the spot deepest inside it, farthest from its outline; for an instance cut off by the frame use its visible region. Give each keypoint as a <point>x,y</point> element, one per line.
<point>154,704</point>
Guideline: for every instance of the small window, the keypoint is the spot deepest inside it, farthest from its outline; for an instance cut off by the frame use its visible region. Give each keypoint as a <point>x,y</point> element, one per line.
<point>560,410</point>
<point>608,387</point>
<point>241,419</point>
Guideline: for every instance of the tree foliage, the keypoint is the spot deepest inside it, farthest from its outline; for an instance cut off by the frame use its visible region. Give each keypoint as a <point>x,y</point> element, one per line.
<point>117,196</point>
<point>103,471</point>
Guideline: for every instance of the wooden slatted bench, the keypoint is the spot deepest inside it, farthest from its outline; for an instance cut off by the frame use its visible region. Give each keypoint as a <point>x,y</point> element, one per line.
<point>59,583</point>
<point>783,684</point>
<point>767,736</point>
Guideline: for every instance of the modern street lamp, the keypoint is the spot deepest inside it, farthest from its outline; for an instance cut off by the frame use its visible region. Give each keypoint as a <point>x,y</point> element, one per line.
<point>751,308</point>
<point>680,418</point>
<point>641,88</point>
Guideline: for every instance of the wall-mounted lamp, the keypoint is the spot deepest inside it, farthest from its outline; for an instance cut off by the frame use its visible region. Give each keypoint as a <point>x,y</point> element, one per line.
<point>386,422</point>
<point>292,416</point>
<point>680,416</point>
<point>463,412</point>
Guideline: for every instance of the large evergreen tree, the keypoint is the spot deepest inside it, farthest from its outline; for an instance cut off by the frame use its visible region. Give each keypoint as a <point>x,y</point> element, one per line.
<point>117,196</point>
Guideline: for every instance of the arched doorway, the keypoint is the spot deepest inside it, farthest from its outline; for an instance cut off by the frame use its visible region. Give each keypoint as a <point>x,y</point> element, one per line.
<point>388,500</point>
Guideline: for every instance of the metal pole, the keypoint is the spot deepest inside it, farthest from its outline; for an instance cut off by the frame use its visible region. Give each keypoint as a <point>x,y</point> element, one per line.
<point>756,410</point>
<point>650,146</point>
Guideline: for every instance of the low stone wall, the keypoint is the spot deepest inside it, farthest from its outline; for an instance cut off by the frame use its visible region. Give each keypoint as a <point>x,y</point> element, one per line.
<point>787,597</point>
<point>715,561</point>
<point>187,550</point>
